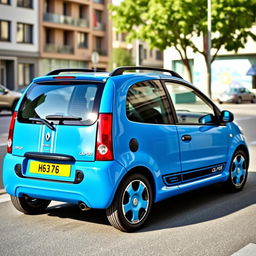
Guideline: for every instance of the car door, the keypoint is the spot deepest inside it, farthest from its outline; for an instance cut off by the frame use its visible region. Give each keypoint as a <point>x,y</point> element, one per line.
<point>203,142</point>
<point>149,125</point>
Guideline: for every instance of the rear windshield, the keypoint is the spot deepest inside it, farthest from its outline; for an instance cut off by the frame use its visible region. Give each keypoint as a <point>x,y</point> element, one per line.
<point>78,103</point>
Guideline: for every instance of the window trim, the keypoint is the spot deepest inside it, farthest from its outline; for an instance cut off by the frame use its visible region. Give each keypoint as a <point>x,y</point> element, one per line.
<point>198,93</point>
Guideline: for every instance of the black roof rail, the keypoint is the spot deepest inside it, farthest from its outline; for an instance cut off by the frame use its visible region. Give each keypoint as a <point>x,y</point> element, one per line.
<point>62,70</point>
<point>120,70</point>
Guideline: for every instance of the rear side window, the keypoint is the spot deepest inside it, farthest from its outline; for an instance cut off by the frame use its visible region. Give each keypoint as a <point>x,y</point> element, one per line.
<point>147,103</point>
<point>78,102</point>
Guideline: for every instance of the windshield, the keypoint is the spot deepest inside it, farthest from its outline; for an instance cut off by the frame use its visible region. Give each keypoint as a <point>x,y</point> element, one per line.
<point>75,104</point>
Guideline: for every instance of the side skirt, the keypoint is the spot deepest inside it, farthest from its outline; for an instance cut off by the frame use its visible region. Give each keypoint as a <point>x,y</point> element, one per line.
<point>193,175</point>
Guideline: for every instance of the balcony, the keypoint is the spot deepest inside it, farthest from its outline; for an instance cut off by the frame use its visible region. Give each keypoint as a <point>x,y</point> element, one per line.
<point>101,52</point>
<point>63,49</point>
<point>99,26</point>
<point>68,20</point>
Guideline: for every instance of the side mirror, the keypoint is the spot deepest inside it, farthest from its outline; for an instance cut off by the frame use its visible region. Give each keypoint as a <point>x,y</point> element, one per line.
<point>226,116</point>
<point>207,119</point>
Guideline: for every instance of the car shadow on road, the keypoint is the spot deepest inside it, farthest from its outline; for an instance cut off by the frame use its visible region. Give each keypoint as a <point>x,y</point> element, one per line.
<point>194,207</point>
<point>72,211</point>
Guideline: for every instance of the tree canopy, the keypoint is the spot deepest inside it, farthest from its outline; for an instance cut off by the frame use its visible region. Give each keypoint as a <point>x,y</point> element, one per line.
<point>166,23</point>
<point>121,57</point>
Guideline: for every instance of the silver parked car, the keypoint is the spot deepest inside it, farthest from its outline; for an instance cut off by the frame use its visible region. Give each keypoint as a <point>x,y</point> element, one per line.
<point>8,98</point>
<point>236,95</point>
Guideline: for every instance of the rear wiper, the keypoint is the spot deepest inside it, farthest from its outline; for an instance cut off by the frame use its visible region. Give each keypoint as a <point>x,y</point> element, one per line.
<point>41,120</point>
<point>62,118</point>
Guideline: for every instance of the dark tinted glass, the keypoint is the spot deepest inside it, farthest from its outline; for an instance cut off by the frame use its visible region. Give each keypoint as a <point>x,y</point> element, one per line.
<point>76,101</point>
<point>147,103</point>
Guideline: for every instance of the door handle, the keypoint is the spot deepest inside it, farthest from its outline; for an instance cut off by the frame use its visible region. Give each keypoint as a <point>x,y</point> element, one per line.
<point>186,138</point>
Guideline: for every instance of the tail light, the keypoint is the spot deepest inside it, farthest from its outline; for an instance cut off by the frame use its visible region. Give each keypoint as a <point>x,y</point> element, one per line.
<point>104,145</point>
<point>10,136</point>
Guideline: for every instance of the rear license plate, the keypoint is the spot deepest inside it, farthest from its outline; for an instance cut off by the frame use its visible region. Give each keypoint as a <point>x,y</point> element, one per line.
<point>50,169</point>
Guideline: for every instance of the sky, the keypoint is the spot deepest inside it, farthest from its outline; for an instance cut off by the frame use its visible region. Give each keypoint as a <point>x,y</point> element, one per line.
<point>116,2</point>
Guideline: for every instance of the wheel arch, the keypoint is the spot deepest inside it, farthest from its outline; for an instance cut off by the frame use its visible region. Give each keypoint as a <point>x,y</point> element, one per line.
<point>245,150</point>
<point>145,172</point>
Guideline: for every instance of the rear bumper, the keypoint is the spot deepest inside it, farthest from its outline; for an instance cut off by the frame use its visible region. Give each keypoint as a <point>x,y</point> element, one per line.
<point>96,190</point>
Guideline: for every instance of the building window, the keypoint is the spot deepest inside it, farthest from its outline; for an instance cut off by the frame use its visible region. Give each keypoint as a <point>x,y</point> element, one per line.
<point>97,20</point>
<point>49,36</point>
<point>98,43</point>
<point>145,54</point>
<point>66,9</point>
<point>48,6</point>
<point>159,55</point>
<point>5,30</point>
<point>65,38</point>
<point>24,33</point>
<point>82,11</point>
<point>25,3</point>
<point>4,1</point>
<point>25,74</point>
<point>82,39</point>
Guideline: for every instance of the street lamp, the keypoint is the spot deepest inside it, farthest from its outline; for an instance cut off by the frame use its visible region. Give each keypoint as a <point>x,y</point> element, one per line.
<point>209,29</point>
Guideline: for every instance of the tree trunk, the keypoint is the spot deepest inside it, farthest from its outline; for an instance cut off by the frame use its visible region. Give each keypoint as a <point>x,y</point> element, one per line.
<point>188,69</point>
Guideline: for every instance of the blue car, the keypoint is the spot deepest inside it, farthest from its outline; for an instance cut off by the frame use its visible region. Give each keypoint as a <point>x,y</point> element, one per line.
<point>119,141</point>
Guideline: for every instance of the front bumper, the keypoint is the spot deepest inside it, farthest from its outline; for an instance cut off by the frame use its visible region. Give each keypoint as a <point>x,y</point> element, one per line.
<point>96,190</point>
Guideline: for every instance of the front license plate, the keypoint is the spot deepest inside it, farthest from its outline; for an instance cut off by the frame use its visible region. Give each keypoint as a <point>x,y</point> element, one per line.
<point>50,169</point>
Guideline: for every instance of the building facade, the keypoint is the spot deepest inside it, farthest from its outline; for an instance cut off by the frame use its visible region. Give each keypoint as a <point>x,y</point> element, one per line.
<point>228,69</point>
<point>70,31</point>
<point>39,36</point>
<point>19,48</point>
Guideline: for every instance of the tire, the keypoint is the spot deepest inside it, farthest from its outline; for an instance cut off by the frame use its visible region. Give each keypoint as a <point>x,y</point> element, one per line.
<point>253,100</point>
<point>238,172</point>
<point>239,100</point>
<point>29,205</point>
<point>132,204</point>
<point>219,101</point>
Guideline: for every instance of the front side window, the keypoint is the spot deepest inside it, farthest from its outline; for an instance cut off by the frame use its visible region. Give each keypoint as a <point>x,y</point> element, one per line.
<point>189,106</point>
<point>75,104</point>
<point>24,33</point>
<point>147,103</point>
<point>5,30</point>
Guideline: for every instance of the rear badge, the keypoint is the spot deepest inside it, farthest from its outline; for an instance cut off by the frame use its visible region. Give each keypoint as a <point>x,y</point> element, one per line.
<point>85,154</point>
<point>47,136</point>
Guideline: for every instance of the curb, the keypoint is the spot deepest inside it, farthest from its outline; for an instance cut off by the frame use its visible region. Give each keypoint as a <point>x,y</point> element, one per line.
<point>2,191</point>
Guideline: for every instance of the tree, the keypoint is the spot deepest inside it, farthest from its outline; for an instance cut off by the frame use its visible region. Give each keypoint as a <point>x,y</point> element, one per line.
<point>166,23</point>
<point>121,57</point>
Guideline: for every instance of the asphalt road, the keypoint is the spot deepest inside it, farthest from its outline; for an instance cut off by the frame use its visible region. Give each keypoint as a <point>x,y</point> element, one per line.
<point>208,221</point>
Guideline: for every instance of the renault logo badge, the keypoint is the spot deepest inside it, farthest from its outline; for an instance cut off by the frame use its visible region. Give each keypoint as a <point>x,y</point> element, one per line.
<point>47,136</point>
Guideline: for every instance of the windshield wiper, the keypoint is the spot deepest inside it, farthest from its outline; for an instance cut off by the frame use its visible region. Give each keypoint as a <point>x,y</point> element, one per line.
<point>62,118</point>
<point>41,120</point>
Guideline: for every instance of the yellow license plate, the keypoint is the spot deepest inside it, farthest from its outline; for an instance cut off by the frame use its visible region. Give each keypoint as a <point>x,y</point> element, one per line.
<point>50,169</point>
